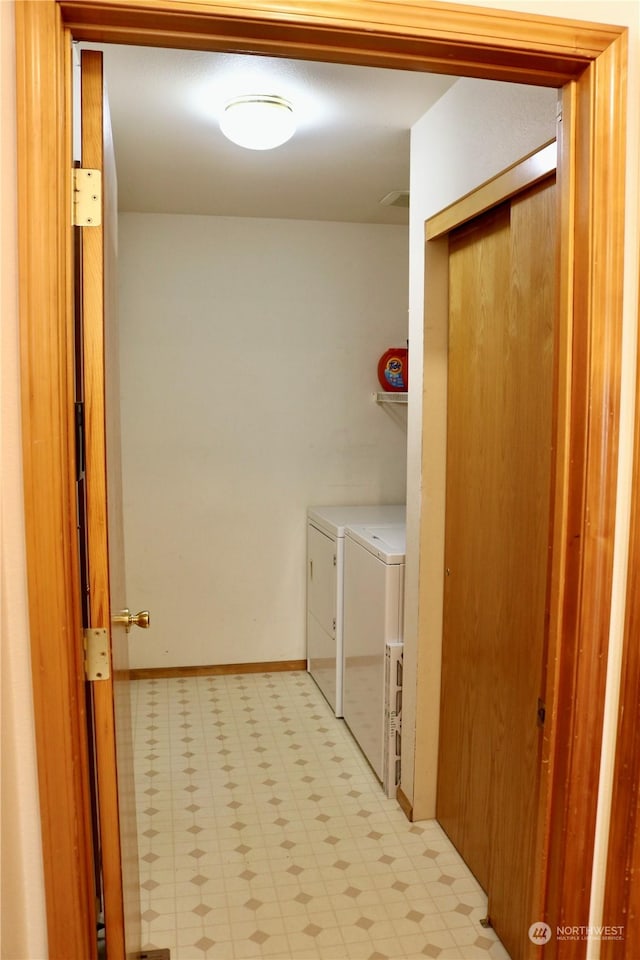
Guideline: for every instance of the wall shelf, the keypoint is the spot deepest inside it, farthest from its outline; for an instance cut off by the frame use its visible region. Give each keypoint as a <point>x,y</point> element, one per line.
<point>384,397</point>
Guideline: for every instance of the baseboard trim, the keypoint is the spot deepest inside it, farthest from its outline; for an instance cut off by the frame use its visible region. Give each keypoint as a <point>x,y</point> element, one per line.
<point>405,804</point>
<point>217,669</point>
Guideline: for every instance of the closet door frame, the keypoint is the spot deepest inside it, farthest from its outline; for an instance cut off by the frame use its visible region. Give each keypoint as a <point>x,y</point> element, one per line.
<point>589,62</point>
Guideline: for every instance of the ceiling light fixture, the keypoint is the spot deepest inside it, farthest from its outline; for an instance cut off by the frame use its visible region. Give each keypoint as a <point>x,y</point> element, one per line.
<point>258,122</point>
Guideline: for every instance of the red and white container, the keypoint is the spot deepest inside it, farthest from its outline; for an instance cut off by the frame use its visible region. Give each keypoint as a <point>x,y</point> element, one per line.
<point>393,370</point>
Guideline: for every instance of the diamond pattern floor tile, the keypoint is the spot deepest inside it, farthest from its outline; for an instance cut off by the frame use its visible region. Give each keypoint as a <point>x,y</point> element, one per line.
<point>263,833</point>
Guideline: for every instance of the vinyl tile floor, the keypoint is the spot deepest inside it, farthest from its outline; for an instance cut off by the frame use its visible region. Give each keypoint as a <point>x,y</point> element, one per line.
<point>264,833</point>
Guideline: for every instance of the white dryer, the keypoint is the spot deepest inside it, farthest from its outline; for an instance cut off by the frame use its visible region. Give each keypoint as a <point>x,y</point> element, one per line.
<point>325,562</point>
<point>374,560</point>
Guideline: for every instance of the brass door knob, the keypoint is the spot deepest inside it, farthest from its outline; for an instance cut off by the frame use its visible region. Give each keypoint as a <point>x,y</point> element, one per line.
<point>141,619</point>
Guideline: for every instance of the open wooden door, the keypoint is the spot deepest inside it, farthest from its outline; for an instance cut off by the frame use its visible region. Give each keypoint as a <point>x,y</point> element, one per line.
<point>100,390</point>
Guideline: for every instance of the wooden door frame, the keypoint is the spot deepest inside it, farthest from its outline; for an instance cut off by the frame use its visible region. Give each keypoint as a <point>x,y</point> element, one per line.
<point>622,889</point>
<point>589,62</point>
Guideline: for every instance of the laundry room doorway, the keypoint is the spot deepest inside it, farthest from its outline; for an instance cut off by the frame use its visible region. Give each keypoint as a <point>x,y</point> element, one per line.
<point>35,116</point>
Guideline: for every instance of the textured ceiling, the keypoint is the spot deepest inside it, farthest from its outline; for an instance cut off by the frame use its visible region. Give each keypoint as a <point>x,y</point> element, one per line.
<point>350,150</point>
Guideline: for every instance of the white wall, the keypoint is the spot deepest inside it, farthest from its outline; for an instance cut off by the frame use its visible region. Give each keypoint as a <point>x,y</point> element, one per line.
<point>474,131</point>
<point>22,916</point>
<point>248,359</point>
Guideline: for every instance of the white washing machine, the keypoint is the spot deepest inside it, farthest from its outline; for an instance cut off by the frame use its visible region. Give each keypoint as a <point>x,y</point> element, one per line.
<point>325,553</point>
<point>374,560</point>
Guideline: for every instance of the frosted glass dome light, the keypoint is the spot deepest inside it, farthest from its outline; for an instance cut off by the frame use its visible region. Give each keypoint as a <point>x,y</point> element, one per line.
<point>258,122</point>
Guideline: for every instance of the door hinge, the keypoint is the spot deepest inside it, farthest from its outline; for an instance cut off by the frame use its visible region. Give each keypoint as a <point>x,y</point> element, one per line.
<point>86,187</point>
<point>335,561</point>
<point>542,710</point>
<point>96,653</point>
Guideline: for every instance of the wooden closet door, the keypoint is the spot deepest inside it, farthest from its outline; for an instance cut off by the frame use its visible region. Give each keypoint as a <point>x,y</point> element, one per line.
<point>502,307</point>
<point>478,294</point>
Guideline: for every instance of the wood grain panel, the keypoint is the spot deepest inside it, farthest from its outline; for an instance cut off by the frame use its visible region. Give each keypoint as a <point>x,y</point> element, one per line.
<point>93,306</point>
<point>583,577</point>
<point>111,698</point>
<point>478,297</point>
<point>117,580</point>
<point>405,804</point>
<point>426,36</point>
<point>521,639</point>
<point>46,306</point>
<point>622,889</point>
<point>502,322</point>
<point>562,379</point>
